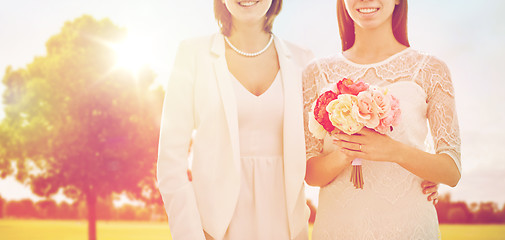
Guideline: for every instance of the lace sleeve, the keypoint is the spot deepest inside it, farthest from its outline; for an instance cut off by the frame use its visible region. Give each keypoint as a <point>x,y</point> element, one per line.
<point>441,111</point>
<point>311,77</point>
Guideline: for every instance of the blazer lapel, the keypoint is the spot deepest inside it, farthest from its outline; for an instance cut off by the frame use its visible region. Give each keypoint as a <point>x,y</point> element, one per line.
<point>294,143</point>
<point>227,95</point>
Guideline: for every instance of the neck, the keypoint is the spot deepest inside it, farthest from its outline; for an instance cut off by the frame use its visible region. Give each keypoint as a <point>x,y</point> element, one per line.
<point>375,44</point>
<point>249,38</point>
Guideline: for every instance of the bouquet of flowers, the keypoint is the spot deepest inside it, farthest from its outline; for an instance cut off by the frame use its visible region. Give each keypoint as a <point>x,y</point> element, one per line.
<point>348,107</point>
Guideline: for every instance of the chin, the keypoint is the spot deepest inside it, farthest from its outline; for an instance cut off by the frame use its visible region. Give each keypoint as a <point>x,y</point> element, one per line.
<point>369,26</point>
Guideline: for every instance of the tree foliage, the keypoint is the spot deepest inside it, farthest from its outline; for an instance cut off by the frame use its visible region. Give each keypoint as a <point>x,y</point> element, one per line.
<point>22,209</point>
<point>76,122</point>
<point>106,211</point>
<point>2,203</point>
<point>473,213</point>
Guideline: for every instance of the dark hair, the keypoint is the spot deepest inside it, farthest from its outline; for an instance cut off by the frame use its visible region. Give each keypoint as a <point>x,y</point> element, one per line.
<point>223,16</point>
<point>346,24</point>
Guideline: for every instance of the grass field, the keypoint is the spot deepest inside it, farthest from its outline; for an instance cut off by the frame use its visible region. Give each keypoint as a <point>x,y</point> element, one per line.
<point>77,230</point>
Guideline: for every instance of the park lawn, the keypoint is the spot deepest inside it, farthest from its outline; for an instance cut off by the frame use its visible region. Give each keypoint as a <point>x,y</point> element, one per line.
<point>464,232</point>
<point>17,229</point>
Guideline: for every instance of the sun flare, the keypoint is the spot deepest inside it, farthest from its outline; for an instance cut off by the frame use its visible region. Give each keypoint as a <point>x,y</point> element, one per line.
<point>133,53</point>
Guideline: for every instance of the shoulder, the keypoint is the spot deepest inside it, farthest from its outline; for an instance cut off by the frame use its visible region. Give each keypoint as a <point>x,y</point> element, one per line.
<point>430,62</point>
<point>434,75</point>
<point>323,64</point>
<point>437,65</point>
<point>192,52</point>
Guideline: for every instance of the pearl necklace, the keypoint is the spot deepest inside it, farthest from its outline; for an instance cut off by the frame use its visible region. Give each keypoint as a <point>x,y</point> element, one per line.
<point>250,54</point>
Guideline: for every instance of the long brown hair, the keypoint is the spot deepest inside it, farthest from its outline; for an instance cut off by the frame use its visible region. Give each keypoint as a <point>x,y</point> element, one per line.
<point>346,24</point>
<point>223,16</point>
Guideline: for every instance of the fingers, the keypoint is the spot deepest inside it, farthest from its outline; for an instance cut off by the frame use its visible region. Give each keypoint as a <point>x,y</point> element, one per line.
<point>354,154</point>
<point>430,189</point>
<point>433,197</point>
<point>426,184</point>
<point>365,131</point>
<point>349,148</point>
<point>349,138</point>
<point>350,142</point>
<point>348,145</point>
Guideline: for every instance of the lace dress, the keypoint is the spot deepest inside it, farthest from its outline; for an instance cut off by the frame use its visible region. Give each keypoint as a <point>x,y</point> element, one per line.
<point>391,204</point>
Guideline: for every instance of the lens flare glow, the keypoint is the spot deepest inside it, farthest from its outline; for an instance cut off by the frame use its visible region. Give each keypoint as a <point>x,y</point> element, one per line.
<point>134,53</point>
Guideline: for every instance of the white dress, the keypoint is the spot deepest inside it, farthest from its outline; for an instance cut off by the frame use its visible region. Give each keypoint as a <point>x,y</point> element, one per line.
<point>261,208</point>
<point>391,204</point>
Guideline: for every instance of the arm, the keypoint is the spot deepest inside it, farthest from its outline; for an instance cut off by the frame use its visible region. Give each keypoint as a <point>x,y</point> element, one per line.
<point>176,127</point>
<point>377,147</point>
<point>321,168</point>
<point>443,121</point>
<point>434,167</point>
<point>444,165</point>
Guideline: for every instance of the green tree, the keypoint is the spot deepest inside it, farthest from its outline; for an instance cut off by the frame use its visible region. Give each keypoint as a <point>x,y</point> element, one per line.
<point>77,123</point>
<point>24,208</point>
<point>47,208</point>
<point>487,213</point>
<point>501,214</point>
<point>2,202</point>
<point>105,208</point>
<point>127,212</point>
<point>443,206</point>
<point>67,211</point>
<point>459,213</point>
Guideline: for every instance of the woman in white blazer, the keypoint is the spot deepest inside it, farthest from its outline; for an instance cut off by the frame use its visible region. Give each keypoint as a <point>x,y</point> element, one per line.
<point>241,92</point>
<point>248,149</point>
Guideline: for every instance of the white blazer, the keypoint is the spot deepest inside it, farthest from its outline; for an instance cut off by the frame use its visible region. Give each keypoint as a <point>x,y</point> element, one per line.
<point>200,96</point>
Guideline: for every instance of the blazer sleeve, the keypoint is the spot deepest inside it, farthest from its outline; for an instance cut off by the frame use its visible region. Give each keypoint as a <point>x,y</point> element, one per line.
<point>177,125</point>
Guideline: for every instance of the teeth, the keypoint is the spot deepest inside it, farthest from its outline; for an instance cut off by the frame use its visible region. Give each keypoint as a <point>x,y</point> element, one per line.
<point>247,4</point>
<point>367,10</point>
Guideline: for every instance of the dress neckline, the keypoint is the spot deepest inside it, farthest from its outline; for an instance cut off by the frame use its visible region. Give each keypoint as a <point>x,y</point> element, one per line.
<point>263,93</point>
<point>369,65</point>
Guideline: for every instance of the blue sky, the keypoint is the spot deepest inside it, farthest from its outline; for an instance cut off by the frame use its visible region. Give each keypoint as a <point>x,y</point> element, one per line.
<point>467,35</point>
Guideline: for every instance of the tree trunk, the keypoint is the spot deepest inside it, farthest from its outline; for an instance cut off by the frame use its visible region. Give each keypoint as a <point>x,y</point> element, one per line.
<point>91,204</point>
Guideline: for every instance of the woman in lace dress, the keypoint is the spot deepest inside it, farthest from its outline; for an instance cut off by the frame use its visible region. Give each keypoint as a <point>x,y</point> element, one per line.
<point>390,205</point>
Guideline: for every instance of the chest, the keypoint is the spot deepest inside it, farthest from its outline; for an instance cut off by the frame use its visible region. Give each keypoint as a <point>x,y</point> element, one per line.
<point>256,74</point>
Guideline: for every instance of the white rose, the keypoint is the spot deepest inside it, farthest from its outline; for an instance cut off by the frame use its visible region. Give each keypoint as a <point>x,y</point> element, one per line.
<point>315,128</point>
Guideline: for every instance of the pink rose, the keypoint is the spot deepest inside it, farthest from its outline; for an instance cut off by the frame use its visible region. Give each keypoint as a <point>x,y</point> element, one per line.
<point>368,110</point>
<point>392,118</point>
<point>395,103</point>
<point>383,102</point>
<point>382,128</point>
<point>386,124</point>
<point>396,112</point>
<point>347,86</point>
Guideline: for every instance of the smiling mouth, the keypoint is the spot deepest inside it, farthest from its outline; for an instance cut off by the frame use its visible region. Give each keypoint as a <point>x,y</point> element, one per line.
<point>368,10</point>
<point>247,3</point>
